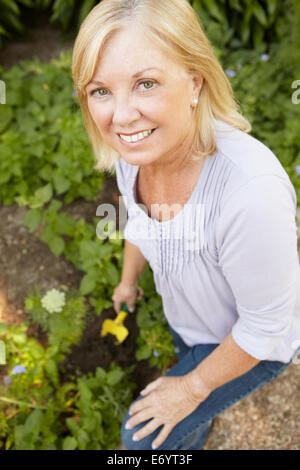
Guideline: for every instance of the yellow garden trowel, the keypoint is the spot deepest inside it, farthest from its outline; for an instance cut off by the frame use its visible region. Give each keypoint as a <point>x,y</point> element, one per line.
<point>116,327</point>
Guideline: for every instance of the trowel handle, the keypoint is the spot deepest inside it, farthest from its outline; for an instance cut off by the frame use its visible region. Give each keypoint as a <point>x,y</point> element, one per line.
<point>124,307</point>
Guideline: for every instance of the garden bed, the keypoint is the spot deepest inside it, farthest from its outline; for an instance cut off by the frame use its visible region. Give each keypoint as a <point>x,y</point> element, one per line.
<point>27,261</point>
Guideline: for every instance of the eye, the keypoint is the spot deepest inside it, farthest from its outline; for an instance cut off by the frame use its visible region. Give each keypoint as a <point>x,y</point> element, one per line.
<point>146,83</point>
<point>92,93</point>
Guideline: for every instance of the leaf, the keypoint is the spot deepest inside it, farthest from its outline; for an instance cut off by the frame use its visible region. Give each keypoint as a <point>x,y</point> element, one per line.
<point>36,350</point>
<point>111,273</point>
<point>6,116</point>
<point>215,10</point>
<point>5,177</point>
<point>61,183</point>
<point>39,94</point>
<point>33,423</point>
<point>52,371</point>
<point>87,285</point>
<point>143,353</point>
<point>85,9</point>
<point>21,439</point>
<point>272,7</point>
<point>38,149</point>
<point>90,423</point>
<point>115,376</point>
<point>64,389</point>
<point>69,443</point>
<point>259,13</point>
<point>46,173</point>
<point>41,196</point>
<point>100,374</point>
<point>245,27</point>
<point>20,338</point>
<point>235,5</point>
<point>72,425</point>
<point>88,249</point>
<point>100,304</point>
<point>83,439</point>
<point>32,219</point>
<point>85,393</point>
<point>57,246</point>
<point>258,34</point>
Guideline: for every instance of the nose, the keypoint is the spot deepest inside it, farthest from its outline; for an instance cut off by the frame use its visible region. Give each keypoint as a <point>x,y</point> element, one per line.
<point>125,112</point>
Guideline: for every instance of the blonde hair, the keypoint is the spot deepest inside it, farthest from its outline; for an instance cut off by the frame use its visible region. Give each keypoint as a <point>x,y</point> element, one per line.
<point>176,27</point>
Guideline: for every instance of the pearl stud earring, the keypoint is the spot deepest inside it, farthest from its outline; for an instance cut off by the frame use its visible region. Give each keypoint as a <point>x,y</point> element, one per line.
<point>195,101</point>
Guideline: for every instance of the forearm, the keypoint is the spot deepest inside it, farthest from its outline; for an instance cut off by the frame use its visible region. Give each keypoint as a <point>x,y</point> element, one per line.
<point>133,264</point>
<point>227,362</point>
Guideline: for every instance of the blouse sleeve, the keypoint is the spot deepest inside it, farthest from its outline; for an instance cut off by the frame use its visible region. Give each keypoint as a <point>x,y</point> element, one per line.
<point>121,179</point>
<point>257,250</point>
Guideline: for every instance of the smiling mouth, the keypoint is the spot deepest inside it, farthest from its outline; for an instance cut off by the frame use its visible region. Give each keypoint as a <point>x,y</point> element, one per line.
<point>136,137</point>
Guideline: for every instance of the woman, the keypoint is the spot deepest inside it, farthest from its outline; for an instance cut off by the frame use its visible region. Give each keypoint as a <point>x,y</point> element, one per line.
<point>210,207</point>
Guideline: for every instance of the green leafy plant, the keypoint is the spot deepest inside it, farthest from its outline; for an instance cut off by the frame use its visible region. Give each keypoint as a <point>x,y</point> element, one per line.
<point>71,12</point>
<point>240,23</point>
<point>66,13</point>
<point>38,412</point>
<point>155,343</point>
<point>102,405</point>
<point>63,320</point>
<point>10,19</point>
<point>100,260</point>
<point>44,148</point>
<point>263,86</point>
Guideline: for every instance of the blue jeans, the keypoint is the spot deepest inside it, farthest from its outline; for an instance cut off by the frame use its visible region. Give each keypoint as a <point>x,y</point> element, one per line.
<point>192,431</point>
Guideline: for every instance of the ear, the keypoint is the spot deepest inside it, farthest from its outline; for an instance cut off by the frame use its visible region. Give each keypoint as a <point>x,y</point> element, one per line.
<point>197,85</point>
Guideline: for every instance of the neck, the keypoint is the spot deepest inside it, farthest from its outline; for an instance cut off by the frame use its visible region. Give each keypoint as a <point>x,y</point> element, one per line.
<point>170,171</point>
<point>166,169</point>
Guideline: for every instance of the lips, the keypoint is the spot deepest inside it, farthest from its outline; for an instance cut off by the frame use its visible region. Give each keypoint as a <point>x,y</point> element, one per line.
<point>135,133</point>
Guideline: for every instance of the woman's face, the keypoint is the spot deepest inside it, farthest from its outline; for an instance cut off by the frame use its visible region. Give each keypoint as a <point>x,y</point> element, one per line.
<point>136,88</point>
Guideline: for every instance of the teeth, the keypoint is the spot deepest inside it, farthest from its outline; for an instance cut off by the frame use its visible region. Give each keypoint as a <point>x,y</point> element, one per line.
<point>136,137</point>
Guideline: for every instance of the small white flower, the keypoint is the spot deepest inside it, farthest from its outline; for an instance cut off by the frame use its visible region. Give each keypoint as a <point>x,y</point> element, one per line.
<point>53,301</point>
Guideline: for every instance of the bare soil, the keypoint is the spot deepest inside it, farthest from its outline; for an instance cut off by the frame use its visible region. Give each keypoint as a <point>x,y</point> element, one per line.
<point>41,40</point>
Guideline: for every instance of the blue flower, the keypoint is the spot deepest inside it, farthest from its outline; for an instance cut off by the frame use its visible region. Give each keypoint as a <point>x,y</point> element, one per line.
<point>230,73</point>
<point>19,370</point>
<point>297,168</point>
<point>155,353</point>
<point>7,380</point>
<point>264,57</point>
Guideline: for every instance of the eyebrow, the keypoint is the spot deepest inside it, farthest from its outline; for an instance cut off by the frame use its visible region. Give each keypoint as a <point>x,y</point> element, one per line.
<point>97,82</point>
